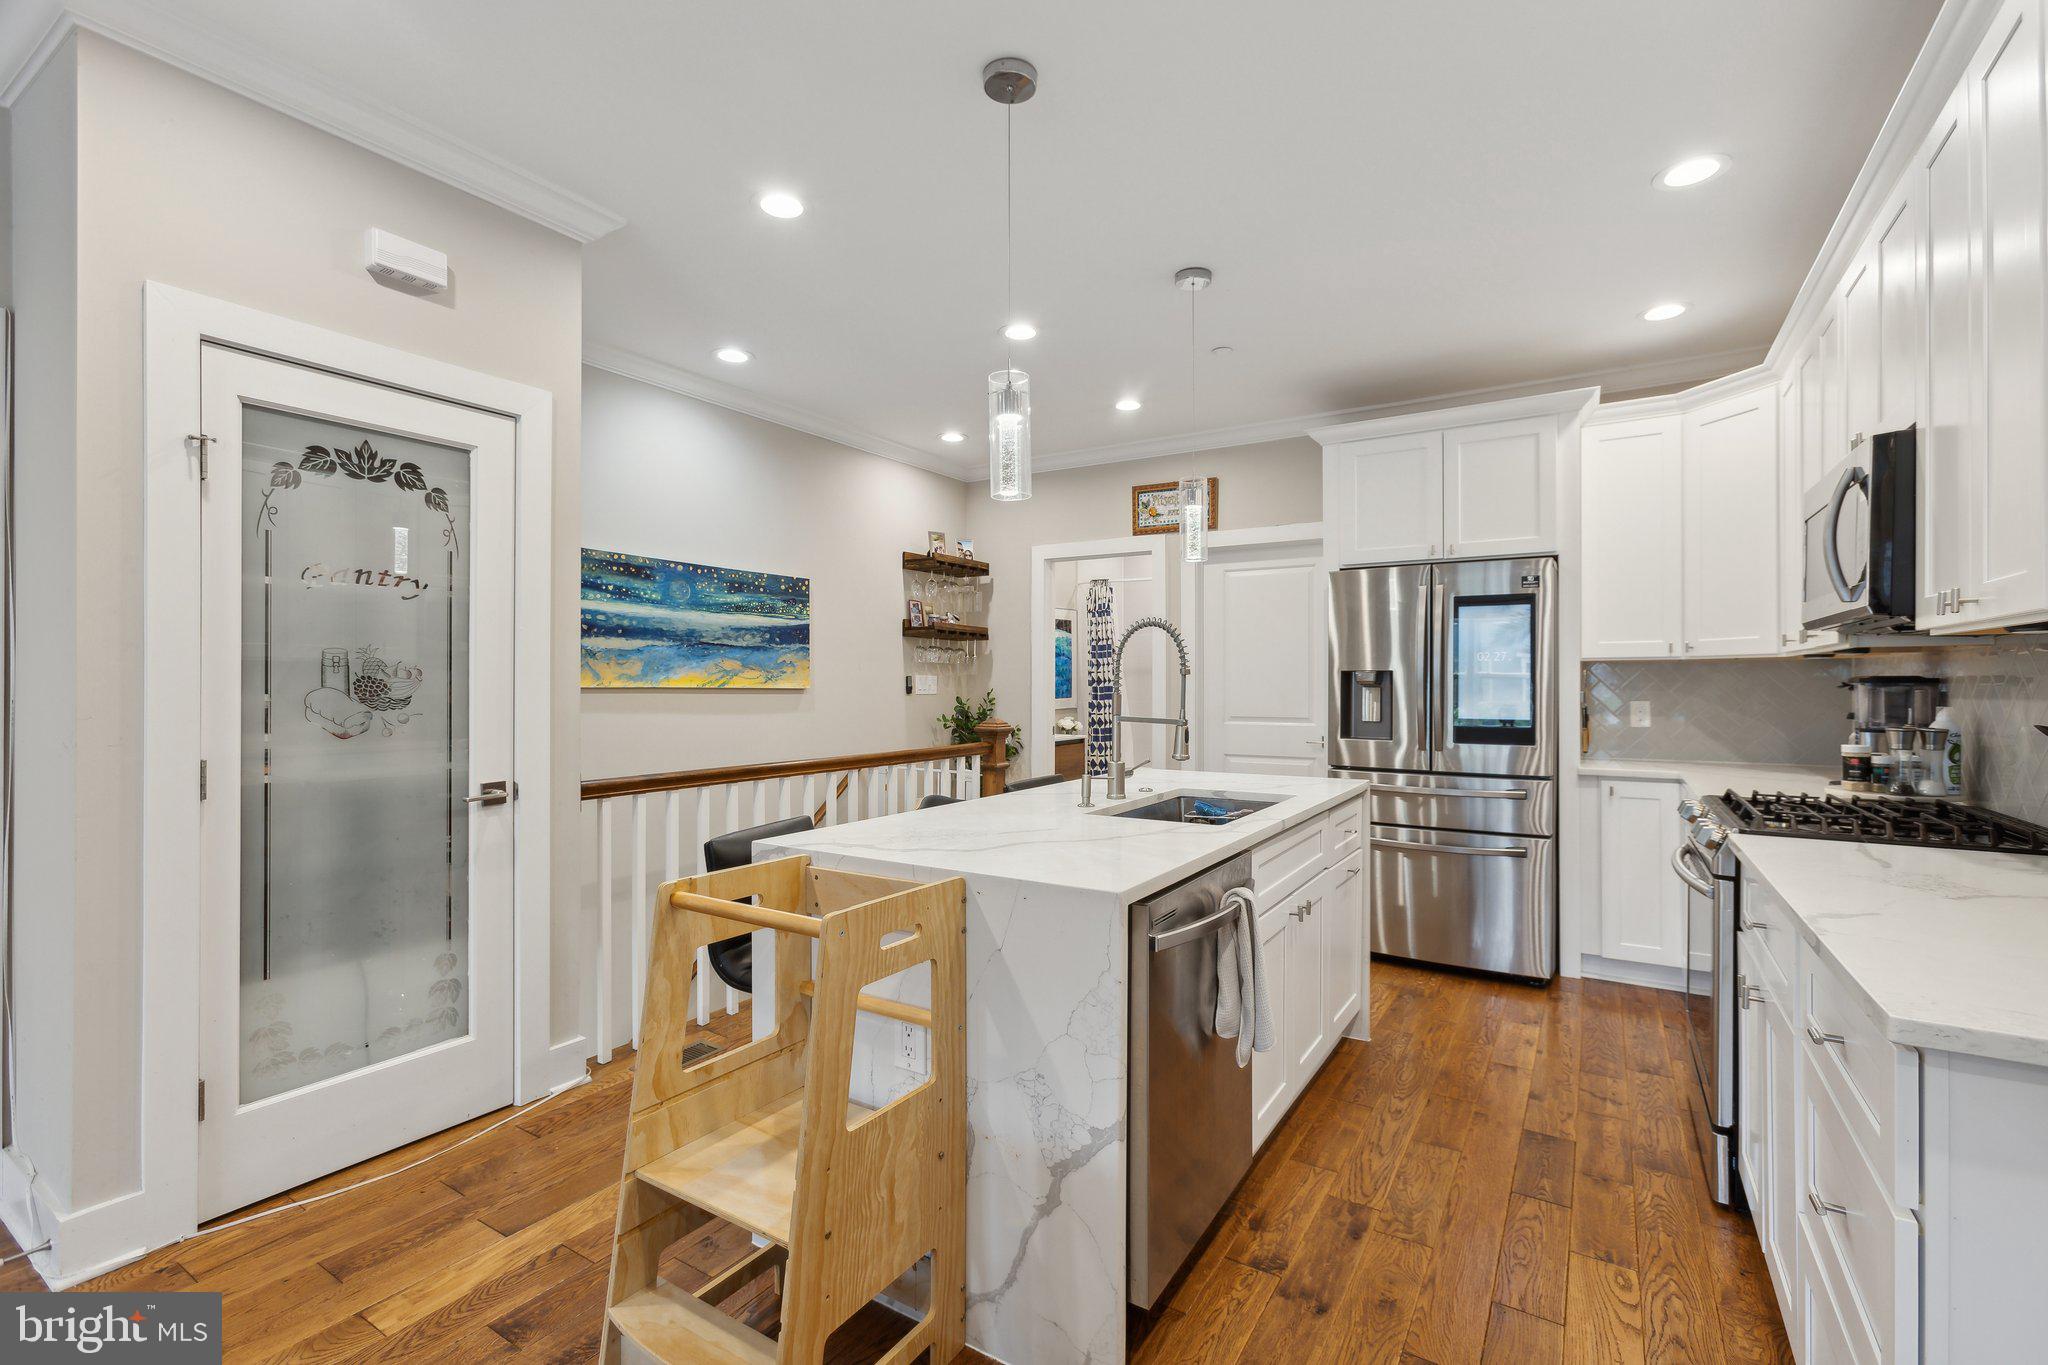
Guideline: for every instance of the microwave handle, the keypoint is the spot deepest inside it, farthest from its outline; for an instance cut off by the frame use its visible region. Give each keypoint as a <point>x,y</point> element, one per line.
<point>1831,545</point>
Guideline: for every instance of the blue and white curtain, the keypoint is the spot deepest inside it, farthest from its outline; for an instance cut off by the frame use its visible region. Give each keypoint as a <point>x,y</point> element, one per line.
<point>1101,645</point>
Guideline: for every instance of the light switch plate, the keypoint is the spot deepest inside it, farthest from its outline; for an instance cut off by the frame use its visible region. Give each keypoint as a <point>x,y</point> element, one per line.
<point>1639,715</point>
<point>927,684</point>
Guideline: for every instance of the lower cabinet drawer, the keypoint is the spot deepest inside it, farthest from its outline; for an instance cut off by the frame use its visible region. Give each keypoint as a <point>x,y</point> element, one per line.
<point>1822,1333</point>
<point>1767,925</point>
<point>1876,1082</point>
<point>1870,1250</point>
<point>1347,830</point>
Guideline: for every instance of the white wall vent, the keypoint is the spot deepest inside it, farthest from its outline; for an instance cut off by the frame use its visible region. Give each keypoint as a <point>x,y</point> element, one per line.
<point>407,263</point>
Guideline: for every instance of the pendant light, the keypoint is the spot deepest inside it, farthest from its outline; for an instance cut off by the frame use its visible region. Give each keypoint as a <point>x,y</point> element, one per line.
<point>1194,492</point>
<point>1009,81</point>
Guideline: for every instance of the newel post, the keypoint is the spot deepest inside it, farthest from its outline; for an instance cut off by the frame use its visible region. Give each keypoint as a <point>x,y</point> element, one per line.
<point>995,768</point>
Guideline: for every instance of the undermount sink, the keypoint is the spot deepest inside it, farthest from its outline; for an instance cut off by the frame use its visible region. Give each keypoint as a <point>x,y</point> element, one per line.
<point>1194,808</point>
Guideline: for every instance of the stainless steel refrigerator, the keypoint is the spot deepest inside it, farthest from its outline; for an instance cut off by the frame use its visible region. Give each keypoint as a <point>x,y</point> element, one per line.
<point>1444,697</point>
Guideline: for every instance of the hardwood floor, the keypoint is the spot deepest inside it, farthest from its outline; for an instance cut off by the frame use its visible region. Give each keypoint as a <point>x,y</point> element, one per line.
<point>1503,1174</point>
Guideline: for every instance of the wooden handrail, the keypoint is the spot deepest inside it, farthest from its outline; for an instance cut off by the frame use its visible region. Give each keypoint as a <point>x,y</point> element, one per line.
<point>604,788</point>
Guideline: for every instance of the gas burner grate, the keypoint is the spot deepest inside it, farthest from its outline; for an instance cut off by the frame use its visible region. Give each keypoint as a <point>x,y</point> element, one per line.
<point>1930,823</point>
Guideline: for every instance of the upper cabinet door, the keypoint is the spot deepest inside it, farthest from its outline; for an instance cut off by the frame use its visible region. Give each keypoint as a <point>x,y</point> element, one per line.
<point>1901,316</point>
<point>2005,576</point>
<point>1630,536</point>
<point>1731,536</point>
<point>1861,344</point>
<point>1388,496</point>
<point>1820,394</point>
<point>1500,489</point>
<point>1952,429</point>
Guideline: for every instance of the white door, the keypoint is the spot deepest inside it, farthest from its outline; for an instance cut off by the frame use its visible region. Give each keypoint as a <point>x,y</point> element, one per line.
<point>1264,668</point>
<point>1500,489</point>
<point>1342,910</point>
<point>1272,1074</point>
<point>355,935</point>
<point>1387,498</point>
<point>1731,537</point>
<point>1307,1027</point>
<point>1629,531</point>
<point>1642,903</point>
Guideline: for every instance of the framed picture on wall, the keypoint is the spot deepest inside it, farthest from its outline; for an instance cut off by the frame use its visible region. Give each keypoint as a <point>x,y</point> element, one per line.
<point>664,623</point>
<point>1155,508</point>
<point>935,542</point>
<point>1063,655</point>
<point>914,611</point>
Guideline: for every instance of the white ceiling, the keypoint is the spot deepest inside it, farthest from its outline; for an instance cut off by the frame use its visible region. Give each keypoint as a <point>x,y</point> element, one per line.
<point>1399,200</point>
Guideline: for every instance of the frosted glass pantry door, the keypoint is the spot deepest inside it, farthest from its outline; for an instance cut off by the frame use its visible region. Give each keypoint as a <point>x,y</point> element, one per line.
<point>358,656</point>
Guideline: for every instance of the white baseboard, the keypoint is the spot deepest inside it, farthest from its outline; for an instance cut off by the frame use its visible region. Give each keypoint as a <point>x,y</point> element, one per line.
<point>83,1243</point>
<point>1653,975</point>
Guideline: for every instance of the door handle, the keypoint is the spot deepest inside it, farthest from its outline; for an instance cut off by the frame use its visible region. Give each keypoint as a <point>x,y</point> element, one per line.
<point>1680,863</point>
<point>1440,650</point>
<point>1461,850</point>
<point>1477,793</point>
<point>1831,547</point>
<point>1314,743</point>
<point>1820,1039</point>
<point>1821,1207</point>
<point>1173,938</point>
<point>493,794</point>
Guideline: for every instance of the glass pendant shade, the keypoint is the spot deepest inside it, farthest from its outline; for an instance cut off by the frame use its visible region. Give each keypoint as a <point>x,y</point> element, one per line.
<point>1194,520</point>
<point>1009,436</point>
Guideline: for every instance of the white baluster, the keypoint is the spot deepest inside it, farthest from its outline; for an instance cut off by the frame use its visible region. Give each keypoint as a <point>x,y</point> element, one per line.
<point>785,792</point>
<point>672,837</point>
<point>870,789</point>
<point>760,803</point>
<point>705,796</point>
<point>973,775</point>
<point>639,909</point>
<point>604,932</point>
<point>810,810</point>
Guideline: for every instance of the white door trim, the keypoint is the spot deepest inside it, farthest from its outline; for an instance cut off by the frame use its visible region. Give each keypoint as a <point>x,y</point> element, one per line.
<point>175,323</point>
<point>1305,533</point>
<point>1037,749</point>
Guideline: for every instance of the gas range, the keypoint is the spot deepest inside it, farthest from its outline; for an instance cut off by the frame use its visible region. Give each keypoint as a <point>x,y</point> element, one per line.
<point>1917,822</point>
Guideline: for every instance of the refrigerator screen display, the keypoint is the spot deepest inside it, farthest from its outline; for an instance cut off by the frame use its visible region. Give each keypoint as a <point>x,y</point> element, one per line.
<point>1493,678</point>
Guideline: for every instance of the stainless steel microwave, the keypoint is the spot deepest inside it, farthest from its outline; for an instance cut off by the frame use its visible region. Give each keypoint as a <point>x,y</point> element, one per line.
<point>1859,541</point>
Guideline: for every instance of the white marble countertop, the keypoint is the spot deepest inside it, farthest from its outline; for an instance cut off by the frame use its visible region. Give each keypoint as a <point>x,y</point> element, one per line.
<point>1042,836</point>
<point>1949,948</point>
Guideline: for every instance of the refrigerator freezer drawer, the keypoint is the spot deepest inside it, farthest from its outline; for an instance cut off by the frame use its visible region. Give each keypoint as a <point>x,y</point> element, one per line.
<point>1486,805</point>
<point>1487,902</point>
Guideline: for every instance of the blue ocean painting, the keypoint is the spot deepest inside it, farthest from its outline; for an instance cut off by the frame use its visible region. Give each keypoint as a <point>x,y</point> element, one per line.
<point>1062,660</point>
<point>660,623</point>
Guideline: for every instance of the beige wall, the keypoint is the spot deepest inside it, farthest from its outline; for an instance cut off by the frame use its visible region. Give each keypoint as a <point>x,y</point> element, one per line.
<point>1270,484</point>
<point>182,182</point>
<point>679,478</point>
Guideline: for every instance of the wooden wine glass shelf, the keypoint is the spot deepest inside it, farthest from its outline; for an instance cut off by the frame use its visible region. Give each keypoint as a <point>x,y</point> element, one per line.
<point>947,566</point>
<point>945,630</point>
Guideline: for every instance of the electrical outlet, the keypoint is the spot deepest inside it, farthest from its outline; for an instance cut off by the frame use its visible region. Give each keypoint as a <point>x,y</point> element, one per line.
<point>1639,715</point>
<point>927,684</point>
<point>913,1052</point>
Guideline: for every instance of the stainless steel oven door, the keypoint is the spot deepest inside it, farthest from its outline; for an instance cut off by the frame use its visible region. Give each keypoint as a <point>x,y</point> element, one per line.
<point>1710,916</point>
<point>1835,573</point>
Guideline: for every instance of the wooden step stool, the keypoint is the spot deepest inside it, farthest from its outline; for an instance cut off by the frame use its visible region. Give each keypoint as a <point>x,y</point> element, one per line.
<point>849,1200</point>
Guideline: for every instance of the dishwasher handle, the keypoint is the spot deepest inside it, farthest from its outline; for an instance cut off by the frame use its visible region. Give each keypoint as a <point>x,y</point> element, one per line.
<point>1187,933</point>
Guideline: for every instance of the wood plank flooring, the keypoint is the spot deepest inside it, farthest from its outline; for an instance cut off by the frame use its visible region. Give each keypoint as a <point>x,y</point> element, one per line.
<point>1503,1174</point>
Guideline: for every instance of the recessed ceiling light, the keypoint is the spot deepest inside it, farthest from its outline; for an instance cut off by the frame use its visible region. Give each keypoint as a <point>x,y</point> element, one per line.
<point>1663,312</point>
<point>951,438</point>
<point>776,204</point>
<point>1020,331</point>
<point>1128,405</point>
<point>733,355</point>
<point>1694,170</point>
<point>1221,350</point>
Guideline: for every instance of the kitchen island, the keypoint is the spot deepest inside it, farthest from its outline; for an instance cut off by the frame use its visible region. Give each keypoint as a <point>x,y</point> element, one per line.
<point>1049,886</point>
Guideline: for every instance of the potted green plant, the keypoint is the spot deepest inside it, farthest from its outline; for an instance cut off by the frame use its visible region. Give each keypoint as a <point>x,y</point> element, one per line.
<point>962,719</point>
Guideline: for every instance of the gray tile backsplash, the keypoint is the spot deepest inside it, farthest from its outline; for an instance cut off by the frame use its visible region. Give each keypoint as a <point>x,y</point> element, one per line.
<point>1794,711</point>
<point>1729,710</point>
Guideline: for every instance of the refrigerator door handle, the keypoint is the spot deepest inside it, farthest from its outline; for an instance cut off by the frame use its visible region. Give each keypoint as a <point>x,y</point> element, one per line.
<point>1440,660</point>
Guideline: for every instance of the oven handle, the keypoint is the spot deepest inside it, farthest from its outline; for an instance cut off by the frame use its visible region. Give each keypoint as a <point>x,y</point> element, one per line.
<point>1680,860</point>
<point>1462,850</point>
<point>1831,546</point>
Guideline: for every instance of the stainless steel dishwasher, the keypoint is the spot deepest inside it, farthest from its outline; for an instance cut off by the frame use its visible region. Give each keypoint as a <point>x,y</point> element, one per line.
<point>1190,1124</point>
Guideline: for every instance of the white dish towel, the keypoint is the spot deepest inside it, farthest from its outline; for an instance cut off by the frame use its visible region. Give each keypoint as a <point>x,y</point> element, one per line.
<point>1241,1010</point>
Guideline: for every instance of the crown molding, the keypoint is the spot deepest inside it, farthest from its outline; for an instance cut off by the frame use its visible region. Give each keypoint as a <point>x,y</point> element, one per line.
<point>1648,374</point>
<point>1561,403</point>
<point>35,30</point>
<point>1685,400</point>
<point>646,370</point>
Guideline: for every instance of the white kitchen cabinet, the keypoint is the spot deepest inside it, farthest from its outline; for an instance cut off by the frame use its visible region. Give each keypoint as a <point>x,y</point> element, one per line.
<point>1342,912</point>
<point>1730,525</point>
<point>1953,425</point>
<point>1819,373</point>
<point>1630,576</point>
<point>1272,1077</point>
<point>1477,482</point>
<point>1500,489</point>
<point>1307,945</point>
<point>1861,336</point>
<point>1388,496</point>
<point>2005,567</point>
<point>1642,902</point>
<point>1764,1112</point>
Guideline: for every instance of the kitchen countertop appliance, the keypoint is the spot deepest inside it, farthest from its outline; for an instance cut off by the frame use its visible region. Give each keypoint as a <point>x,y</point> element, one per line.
<point>1859,539</point>
<point>1894,702</point>
<point>1190,1103</point>
<point>1443,698</point>
<point>1713,914</point>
